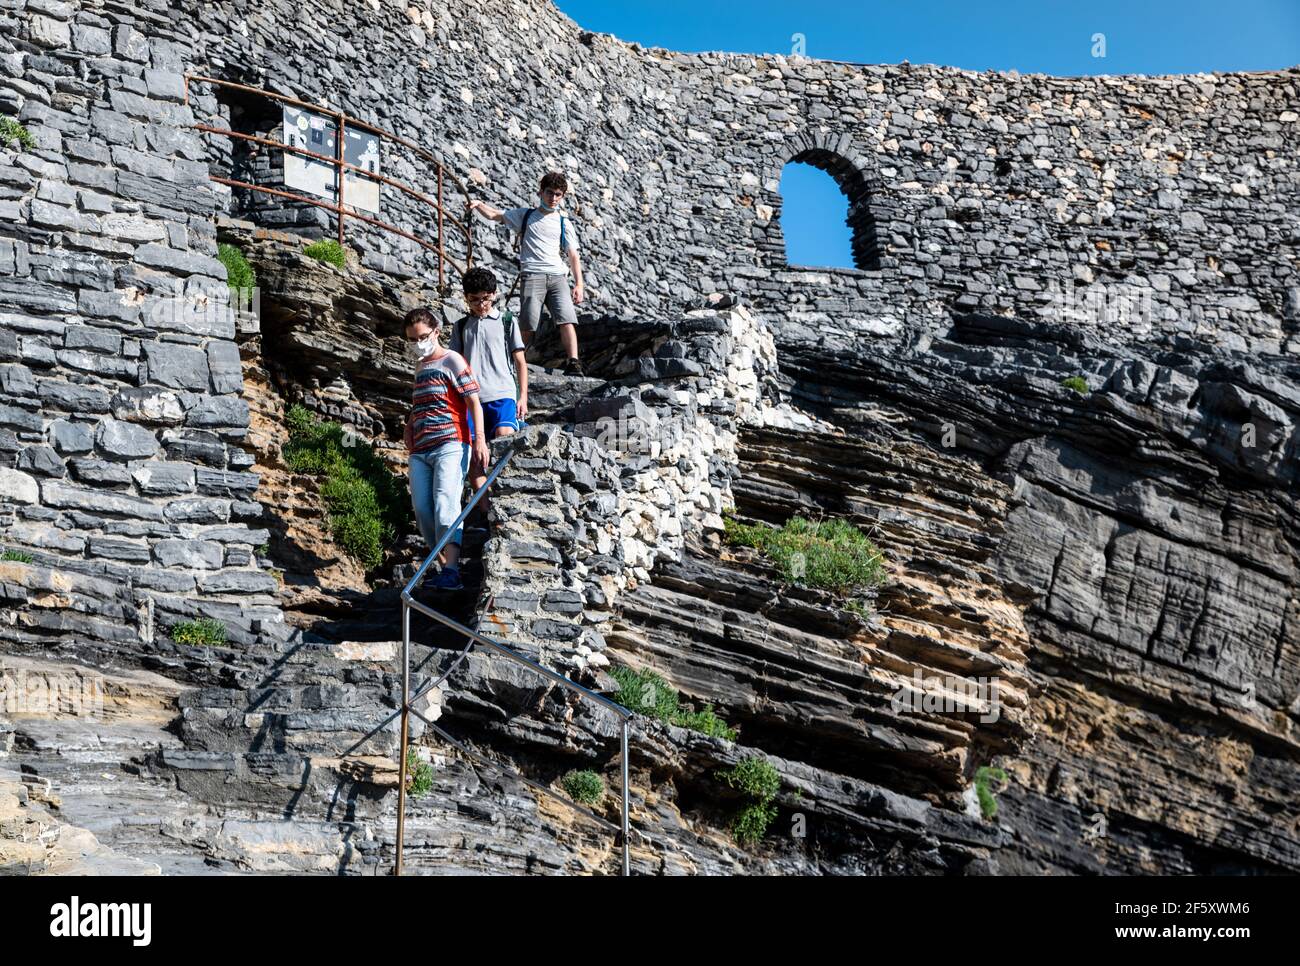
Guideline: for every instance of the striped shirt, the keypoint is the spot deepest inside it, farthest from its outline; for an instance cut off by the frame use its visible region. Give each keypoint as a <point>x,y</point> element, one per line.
<point>438,410</point>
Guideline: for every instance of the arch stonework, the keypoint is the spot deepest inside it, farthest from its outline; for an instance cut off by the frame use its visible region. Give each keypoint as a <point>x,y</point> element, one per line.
<point>856,175</point>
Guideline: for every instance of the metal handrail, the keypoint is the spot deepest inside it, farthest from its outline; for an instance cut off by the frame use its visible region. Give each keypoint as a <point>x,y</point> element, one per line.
<point>409,603</point>
<point>341,167</point>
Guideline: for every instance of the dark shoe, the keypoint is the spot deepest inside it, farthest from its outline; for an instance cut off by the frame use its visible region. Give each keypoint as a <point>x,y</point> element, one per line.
<point>448,579</point>
<point>573,367</point>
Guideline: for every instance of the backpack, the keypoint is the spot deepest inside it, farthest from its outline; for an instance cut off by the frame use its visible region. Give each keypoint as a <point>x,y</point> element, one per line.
<point>523,230</point>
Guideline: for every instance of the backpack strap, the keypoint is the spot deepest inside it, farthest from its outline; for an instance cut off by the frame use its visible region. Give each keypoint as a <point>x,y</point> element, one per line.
<point>523,230</point>
<point>508,328</point>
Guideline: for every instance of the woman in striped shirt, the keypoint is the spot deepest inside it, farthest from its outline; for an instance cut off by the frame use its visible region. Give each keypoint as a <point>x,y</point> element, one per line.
<point>438,439</point>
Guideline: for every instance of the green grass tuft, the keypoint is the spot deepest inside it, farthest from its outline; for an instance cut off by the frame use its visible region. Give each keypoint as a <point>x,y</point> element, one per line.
<point>984,775</point>
<point>1077,384</point>
<point>759,780</point>
<point>16,556</point>
<point>327,250</point>
<point>239,274</point>
<point>12,132</point>
<point>706,722</point>
<point>419,774</point>
<point>367,505</point>
<point>647,693</point>
<point>831,554</point>
<point>584,787</point>
<point>204,631</point>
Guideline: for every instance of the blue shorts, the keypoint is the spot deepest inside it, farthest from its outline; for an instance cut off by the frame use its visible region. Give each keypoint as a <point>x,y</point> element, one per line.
<point>498,413</point>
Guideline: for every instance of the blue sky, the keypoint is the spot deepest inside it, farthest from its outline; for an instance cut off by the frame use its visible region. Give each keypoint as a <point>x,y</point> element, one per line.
<point>1042,36</point>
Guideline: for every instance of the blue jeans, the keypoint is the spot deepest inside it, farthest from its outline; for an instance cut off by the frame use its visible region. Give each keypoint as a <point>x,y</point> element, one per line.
<point>437,479</point>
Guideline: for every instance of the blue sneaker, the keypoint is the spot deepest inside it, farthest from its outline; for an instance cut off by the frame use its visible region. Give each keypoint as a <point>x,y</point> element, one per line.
<point>448,579</point>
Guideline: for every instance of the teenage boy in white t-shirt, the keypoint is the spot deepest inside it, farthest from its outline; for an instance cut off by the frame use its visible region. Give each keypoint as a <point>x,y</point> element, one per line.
<point>548,250</point>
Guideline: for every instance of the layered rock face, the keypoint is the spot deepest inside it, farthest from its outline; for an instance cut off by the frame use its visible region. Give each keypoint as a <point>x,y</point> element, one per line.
<point>1152,525</point>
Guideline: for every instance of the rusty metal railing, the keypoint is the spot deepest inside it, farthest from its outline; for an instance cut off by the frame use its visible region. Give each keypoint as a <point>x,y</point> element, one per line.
<point>342,168</point>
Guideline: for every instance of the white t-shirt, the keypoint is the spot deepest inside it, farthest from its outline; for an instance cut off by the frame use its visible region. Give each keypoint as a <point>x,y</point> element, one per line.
<point>541,248</point>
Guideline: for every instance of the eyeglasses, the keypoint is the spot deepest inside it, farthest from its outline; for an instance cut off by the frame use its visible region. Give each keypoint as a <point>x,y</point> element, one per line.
<point>478,299</point>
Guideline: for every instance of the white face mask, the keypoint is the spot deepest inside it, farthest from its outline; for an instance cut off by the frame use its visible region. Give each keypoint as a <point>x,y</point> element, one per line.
<point>426,345</point>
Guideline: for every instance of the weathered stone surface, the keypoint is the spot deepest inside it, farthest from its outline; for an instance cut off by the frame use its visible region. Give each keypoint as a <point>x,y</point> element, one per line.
<point>238,581</point>
<point>189,554</point>
<point>41,460</point>
<point>179,367</point>
<point>18,487</point>
<point>124,441</point>
<point>61,495</point>
<point>72,437</point>
<point>164,479</point>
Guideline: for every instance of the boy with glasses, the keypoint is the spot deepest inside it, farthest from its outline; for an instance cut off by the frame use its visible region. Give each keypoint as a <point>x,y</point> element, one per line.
<point>495,351</point>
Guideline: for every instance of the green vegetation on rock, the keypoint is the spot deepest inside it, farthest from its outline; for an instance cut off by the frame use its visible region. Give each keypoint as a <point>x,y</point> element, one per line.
<point>203,631</point>
<point>419,774</point>
<point>16,556</point>
<point>756,777</point>
<point>759,780</point>
<point>751,823</point>
<point>11,132</point>
<point>327,250</point>
<point>585,787</point>
<point>706,722</point>
<point>1077,384</point>
<point>831,554</point>
<point>983,776</point>
<point>647,693</point>
<point>239,274</point>
<point>366,503</point>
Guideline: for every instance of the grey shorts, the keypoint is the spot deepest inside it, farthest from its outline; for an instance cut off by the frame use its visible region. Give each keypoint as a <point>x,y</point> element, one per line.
<point>553,291</point>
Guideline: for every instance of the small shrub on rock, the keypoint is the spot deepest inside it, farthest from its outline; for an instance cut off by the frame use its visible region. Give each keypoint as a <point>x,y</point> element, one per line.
<point>239,274</point>
<point>751,823</point>
<point>12,132</point>
<point>983,778</point>
<point>205,631</point>
<point>759,780</point>
<point>366,504</point>
<point>327,250</point>
<point>647,693</point>
<point>831,554</point>
<point>585,787</point>
<point>419,774</point>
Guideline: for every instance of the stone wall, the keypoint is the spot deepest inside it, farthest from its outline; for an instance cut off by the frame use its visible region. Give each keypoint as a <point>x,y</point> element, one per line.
<point>121,467</point>
<point>1136,206</point>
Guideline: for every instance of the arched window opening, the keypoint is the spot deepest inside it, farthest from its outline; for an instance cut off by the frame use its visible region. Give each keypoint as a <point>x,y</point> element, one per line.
<point>814,218</point>
<point>826,216</point>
